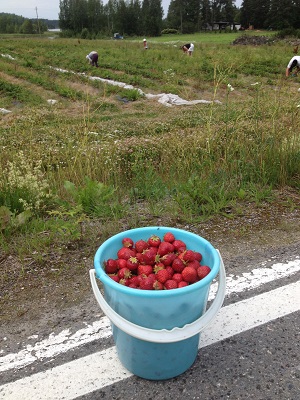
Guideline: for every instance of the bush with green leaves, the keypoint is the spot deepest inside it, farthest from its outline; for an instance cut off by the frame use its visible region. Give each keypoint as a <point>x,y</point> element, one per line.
<point>94,198</point>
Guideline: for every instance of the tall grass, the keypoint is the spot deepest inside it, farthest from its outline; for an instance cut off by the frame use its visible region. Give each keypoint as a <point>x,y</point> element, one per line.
<point>103,149</point>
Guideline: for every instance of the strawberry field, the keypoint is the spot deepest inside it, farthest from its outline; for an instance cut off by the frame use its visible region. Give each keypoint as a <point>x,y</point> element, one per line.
<point>150,133</point>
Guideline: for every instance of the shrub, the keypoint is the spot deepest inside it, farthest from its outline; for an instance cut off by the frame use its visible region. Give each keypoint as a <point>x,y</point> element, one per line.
<point>169,31</point>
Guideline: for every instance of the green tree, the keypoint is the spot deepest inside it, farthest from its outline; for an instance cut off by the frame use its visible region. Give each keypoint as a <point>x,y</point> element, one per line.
<point>255,12</point>
<point>95,16</point>
<point>27,27</point>
<point>281,14</point>
<point>152,15</point>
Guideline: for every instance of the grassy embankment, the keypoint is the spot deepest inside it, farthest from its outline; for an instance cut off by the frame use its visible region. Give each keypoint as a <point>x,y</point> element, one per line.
<point>108,153</point>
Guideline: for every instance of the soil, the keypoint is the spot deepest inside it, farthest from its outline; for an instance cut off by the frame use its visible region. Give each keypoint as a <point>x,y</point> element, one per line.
<point>41,298</point>
<point>253,40</point>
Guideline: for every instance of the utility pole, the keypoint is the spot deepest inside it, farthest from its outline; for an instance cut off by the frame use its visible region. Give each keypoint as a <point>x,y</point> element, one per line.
<point>38,22</point>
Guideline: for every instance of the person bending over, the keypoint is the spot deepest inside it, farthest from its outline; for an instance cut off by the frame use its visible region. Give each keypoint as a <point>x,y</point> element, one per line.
<point>293,63</point>
<point>93,58</point>
<point>188,48</point>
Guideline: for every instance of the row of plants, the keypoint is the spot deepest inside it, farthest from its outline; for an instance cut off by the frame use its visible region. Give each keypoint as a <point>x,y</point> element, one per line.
<point>60,170</point>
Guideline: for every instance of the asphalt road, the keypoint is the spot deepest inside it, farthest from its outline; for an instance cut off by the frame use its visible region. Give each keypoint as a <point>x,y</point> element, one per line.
<point>250,351</point>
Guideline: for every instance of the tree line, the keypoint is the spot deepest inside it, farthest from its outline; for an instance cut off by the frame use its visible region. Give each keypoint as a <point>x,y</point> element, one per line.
<point>92,18</point>
<point>11,23</point>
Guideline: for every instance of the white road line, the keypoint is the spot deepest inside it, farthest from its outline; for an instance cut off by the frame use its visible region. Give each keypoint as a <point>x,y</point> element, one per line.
<point>98,370</point>
<point>65,340</point>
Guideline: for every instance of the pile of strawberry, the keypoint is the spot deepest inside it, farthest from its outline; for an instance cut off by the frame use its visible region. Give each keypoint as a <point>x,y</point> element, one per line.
<point>156,264</point>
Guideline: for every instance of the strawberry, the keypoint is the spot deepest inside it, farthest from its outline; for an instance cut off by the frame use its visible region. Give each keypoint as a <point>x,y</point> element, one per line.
<point>144,270</point>
<point>158,266</point>
<point>187,256</point>
<point>114,277</point>
<point>162,275</point>
<point>141,245</point>
<point>124,281</point>
<point>121,263</point>
<point>152,276</point>
<point>134,281</point>
<point>158,285</point>
<point>132,263</point>
<point>167,259</point>
<point>146,283</point>
<point>149,256</point>
<point>179,246</point>
<point>178,265</point>
<point>127,242</point>
<point>110,266</point>
<point>182,284</point>
<point>195,264</point>
<point>170,270</point>
<point>124,273</point>
<point>126,253</point>
<point>189,274</point>
<point>169,237</point>
<point>154,241</point>
<point>177,277</point>
<point>198,256</point>
<point>170,284</point>
<point>140,258</point>
<point>203,271</point>
<point>165,248</point>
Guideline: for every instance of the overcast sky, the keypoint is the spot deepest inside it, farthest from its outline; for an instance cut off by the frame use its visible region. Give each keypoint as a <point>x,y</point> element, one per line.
<point>46,9</point>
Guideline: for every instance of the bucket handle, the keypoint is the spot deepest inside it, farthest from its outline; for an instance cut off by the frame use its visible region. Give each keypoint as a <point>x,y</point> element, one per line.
<point>163,335</point>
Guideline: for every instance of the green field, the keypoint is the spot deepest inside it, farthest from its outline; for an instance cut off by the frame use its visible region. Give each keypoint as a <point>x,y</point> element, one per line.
<point>77,148</point>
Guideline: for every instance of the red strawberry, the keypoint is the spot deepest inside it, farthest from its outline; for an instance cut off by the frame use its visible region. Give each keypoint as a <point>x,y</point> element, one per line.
<point>154,241</point>
<point>134,281</point>
<point>127,242</point>
<point>110,266</point>
<point>146,283</point>
<point>198,256</point>
<point>179,246</point>
<point>195,264</point>
<point>178,265</point>
<point>132,263</point>
<point>126,253</point>
<point>158,285</point>
<point>167,259</point>
<point>141,245</point>
<point>124,282</point>
<point>152,276</point>
<point>162,275</point>
<point>203,271</point>
<point>165,248</point>
<point>114,277</point>
<point>140,257</point>
<point>171,284</point>
<point>170,270</point>
<point>144,270</point>
<point>121,262</point>
<point>182,284</point>
<point>169,237</point>
<point>158,266</point>
<point>187,256</point>
<point>189,274</point>
<point>149,256</point>
<point>177,277</point>
<point>124,273</point>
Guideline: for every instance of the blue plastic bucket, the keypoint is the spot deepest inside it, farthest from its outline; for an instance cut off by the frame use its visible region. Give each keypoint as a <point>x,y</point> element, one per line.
<point>157,332</point>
